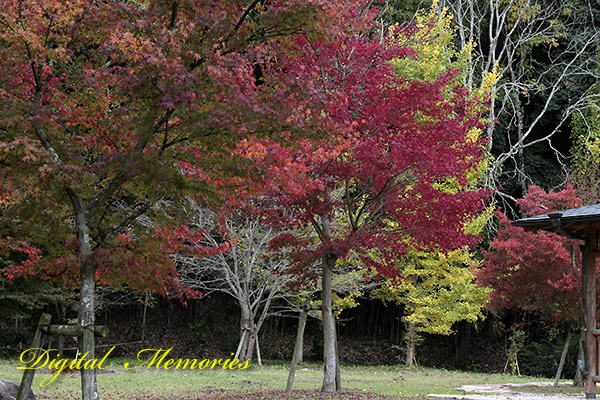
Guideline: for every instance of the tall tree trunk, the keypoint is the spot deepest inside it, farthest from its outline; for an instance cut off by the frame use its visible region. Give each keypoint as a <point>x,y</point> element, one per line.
<point>258,357</point>
<point>86,318</point>
<point>411,341</point>
<point>521,171</point>
<point>144,314</point>
<point>580,371</point>
<point>240,344</point>
<point>462,342</point>
<point>520,125</point>
<point>250,341</point>
<point>338,372</point>
<point>329,353</point>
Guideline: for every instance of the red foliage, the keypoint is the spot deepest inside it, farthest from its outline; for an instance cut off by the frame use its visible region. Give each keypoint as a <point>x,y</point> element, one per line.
<point>533,271</point>
<point>109,108</point>
<point>387,147</point>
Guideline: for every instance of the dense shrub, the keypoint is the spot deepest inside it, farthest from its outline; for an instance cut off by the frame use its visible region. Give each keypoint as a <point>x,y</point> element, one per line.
<point>542,358</point>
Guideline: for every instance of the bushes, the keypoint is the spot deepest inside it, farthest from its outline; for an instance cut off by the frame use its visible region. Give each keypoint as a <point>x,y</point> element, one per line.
<point>542,358</point>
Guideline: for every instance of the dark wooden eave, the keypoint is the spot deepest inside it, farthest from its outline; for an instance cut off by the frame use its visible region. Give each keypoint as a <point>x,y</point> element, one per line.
<point>569,223</point>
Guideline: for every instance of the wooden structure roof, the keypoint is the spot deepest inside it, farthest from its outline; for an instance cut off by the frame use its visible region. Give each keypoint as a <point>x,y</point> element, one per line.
<point>580,223</point>
<point>571,222</point>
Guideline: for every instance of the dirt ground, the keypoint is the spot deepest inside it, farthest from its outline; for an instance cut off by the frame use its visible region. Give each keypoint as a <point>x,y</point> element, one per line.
<point>529,391</point>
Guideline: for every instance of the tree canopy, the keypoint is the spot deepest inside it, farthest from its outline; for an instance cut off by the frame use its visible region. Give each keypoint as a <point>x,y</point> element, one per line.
<point>111,111</point>
<point>534,271</point>
<point>347,141</point>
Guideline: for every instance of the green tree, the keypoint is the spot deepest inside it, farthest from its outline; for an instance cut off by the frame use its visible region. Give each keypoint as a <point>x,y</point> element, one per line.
<point>585,132</point>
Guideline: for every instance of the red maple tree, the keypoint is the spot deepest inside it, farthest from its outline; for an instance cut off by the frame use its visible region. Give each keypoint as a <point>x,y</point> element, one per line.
<point>534,271</point>
<point>112,112</point>
<point>391,172</point>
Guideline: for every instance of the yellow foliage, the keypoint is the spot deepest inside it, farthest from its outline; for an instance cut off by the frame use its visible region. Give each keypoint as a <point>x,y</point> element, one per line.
<point>475,226</point>
<point>593,147</point>
<point>489,80</point>
<point>348,301</point>
<point>437,290</point>
<point>433,45</point>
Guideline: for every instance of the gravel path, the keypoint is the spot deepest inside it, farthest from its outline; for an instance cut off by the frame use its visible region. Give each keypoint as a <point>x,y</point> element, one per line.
<point>505,392</point>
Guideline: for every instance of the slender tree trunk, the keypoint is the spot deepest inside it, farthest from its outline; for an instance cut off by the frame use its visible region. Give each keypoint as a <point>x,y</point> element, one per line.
<point>580,372</point>
<point>240,344</point>
<point>329,353</point>
<point>582,359</point>
<point>297,357</point>
<point>248,334</point>
<point>258,357</point>
<point>250,341</point>
<point>521,172</point>
<point>338,372</point>
<point>563,357</point>
<point>146,295</point>
<point>86,319</point>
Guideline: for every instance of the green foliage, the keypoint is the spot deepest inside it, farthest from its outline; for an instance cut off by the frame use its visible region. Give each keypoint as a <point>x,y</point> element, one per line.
<point>542,358</point>
<point>517,340</point>
<point>585,133</point>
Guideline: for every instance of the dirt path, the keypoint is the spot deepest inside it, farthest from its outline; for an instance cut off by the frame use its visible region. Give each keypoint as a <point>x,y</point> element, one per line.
<point>506,392</point>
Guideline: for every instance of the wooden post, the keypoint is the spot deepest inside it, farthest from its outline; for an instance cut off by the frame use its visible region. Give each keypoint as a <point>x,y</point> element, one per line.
<point>38,339</point>
<point>589,264</point>
<point>76,330</point>
<point>44,328</point>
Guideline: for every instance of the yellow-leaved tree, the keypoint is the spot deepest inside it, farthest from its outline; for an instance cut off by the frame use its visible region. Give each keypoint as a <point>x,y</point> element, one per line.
<point>438,289</point>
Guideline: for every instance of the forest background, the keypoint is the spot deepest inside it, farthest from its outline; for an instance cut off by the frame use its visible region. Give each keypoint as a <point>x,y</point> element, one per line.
<point>466,308</point>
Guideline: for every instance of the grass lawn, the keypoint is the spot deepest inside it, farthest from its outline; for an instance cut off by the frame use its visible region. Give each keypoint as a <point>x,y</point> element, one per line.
<point>268,382</point>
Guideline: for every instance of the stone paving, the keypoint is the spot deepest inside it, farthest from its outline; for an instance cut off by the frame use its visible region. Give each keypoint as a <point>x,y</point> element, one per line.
<point>508,391</point>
